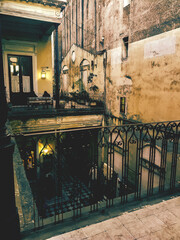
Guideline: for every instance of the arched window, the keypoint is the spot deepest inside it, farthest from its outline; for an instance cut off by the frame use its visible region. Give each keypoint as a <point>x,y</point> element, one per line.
<point>84,69</point>
<point>65,79</point>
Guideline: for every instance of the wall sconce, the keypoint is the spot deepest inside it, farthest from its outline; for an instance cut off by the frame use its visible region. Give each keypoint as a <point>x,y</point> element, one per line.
<point>43,72</point>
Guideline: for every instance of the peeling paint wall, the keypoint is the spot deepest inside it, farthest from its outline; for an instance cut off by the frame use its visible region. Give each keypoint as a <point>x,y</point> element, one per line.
<point>153,65</point>
<point>74,73</point>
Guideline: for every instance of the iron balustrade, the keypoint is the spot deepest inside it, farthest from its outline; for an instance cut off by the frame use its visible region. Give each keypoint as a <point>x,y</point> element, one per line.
<point>66,100</point>
<point>76,169</point>
<point>45,106</point>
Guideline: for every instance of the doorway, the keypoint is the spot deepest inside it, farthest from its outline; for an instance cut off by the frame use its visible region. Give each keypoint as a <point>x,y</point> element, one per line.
<point>20,78</point>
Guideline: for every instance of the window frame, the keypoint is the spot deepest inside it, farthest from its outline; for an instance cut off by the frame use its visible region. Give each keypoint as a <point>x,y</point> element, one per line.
<point>125,47</point>
<point>122,105</point>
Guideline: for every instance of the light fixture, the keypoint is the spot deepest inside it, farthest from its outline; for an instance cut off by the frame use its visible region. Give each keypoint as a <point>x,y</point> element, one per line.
<point>43,73</point>
<point>45,150</point>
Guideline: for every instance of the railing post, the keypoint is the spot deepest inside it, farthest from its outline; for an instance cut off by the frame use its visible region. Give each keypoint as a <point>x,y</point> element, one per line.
<point>9,216</point>
<point>139,157</point>
<point>151,165</point>
<point>57,72</point>
<point>163,164</point>
<point>174,161</point>
<point>104,67</point>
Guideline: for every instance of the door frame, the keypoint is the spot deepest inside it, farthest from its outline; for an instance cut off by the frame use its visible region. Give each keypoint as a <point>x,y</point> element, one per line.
<point>22,49</point>
<point>20,76</point>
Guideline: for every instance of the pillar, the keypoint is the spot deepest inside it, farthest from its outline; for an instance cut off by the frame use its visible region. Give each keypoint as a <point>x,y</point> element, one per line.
<point>57,73</point>
<point>9,215</point>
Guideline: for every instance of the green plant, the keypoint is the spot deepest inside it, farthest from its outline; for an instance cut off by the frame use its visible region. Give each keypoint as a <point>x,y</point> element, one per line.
<point>94,88</point>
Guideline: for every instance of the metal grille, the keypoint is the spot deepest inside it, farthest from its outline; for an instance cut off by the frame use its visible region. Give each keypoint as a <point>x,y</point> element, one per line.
<point>77,169</point>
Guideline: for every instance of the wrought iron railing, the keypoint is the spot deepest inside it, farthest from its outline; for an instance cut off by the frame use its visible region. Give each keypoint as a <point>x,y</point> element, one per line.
<point>37,106</point>
<point>77,170</point>
<point>66,100</point>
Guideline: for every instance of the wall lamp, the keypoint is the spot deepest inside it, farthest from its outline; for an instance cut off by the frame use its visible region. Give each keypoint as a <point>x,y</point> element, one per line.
<point>43,72</point>
<point>45,151</point>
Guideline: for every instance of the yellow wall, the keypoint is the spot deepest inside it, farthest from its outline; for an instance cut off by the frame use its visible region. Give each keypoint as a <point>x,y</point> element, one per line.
<point>44,59</point>
<point>155,91</point>
<point>40,51</point>
<point>155,94</point>
<point>117,84</point>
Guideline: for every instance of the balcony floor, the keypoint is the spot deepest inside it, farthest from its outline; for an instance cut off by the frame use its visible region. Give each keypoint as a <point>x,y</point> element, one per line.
<point>159,221</point>
<point>151,220</point>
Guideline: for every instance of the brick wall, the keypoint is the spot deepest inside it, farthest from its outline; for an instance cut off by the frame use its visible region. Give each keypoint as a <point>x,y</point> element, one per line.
<point>149,18</point>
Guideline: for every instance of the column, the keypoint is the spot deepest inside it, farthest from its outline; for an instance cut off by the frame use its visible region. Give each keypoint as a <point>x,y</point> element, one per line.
<point>9,215</point>
<point>57,73</point>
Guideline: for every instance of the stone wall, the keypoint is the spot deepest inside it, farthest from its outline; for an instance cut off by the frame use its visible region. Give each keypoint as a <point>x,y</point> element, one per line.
<point>100,18</point>
<point>152,28</point>
<point>78,28</point>
<point>149,18</point>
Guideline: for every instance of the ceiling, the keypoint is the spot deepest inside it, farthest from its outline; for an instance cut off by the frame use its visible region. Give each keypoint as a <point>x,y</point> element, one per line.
<point>18,28</point>
<point>57,3</point>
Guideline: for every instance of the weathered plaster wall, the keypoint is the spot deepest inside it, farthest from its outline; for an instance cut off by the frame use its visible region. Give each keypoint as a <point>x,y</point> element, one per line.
<point>102,19</point>
<point>154,66</point>
<point>44,59</point>
<point>112,24</point>
<point>114,80</point>
<point>153,93</point>
<point>74,68</point>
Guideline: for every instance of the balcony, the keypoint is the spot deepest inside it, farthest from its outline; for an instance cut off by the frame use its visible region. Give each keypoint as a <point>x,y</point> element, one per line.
<point>44,105</point>
<point>64,173</point>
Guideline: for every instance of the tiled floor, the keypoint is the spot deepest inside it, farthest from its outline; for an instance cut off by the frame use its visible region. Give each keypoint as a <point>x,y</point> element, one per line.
<point>153,222</point>
<point>75,195</point>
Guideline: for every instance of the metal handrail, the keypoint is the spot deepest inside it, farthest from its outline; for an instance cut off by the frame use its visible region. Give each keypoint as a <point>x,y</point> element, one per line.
<point>59,130</point>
